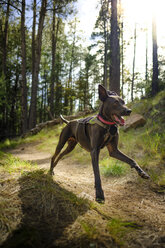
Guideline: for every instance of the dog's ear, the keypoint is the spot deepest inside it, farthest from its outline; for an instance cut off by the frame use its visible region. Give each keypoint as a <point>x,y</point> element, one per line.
<point>102,93</point>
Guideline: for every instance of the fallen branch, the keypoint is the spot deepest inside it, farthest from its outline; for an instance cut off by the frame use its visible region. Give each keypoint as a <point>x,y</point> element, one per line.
<point>53,122</point>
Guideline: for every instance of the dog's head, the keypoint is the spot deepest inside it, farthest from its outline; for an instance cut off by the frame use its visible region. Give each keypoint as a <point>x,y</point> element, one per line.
<point>113,107</point>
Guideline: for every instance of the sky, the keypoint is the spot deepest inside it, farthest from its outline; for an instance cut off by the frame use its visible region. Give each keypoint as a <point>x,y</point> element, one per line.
<point>87,14</point>
<point>135,11</point>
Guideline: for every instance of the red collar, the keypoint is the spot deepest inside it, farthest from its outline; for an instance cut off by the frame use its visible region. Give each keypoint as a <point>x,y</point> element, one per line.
<point>104,121</point>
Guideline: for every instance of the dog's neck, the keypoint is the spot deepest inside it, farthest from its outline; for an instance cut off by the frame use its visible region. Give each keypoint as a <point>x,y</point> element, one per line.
<point>102,117</point>
<point>104,121</point>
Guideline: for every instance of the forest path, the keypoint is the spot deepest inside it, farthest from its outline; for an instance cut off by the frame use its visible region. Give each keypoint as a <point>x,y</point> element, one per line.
<point>129,198</point>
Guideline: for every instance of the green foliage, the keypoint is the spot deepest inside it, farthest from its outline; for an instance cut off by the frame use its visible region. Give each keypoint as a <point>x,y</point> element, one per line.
<point>35,209</point>
<point>89,229</point>
<point>11,164</point>
<point>111,167</point>
<point>10,143</point>
<point>119,229</point>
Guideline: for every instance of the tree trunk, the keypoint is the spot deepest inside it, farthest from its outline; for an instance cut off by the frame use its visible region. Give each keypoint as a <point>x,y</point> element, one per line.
<point>23,72</point>
<point>5,39</point>
<point>121,21</point>
<point>133,67</point>
<point>155,59</point>
<point>13,113</point>
<point>53,63</point>
<point>104,14</point>
<point>71,69</point>
<point>54,43</point>
<point>122,60</point>
<point>33,104</point>
<point>115,50</point>
<point>33,39</point>
<point>146,72</point>
<point>5,113</point>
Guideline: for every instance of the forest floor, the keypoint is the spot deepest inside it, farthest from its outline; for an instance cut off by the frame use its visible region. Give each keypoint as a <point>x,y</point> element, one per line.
<point>40,211</point>
<point>135,205</point>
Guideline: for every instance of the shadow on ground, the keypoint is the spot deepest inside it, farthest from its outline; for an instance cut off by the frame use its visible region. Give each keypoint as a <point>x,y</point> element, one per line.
<point>47,210</point>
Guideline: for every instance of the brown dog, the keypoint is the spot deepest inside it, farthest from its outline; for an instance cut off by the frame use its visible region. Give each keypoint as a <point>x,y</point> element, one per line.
<point>95,133</point>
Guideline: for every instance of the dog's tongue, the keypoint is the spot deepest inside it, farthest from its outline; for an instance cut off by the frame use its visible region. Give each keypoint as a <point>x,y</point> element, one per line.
<point>121,121</point>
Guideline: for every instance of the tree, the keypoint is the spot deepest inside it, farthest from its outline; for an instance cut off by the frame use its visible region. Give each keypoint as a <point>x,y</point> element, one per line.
<point>154,58</point>
<point>23,72</point>
<point>114,80</point>
<point>101,35</point>
<point>38,43</point>
<point>146,69</point>
<point>5,37</point>
<point>104,14</point>
<point>54,43</point>
<point>89,76</point>
<point>133,66</point>
<point>121,23</point>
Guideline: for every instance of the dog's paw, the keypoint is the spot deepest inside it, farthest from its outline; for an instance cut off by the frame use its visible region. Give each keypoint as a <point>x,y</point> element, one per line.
<point>99,200</point>
<point>144,175</point>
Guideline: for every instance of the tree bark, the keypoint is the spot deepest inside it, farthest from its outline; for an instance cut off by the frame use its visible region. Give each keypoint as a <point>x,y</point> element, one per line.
<point>133,66</point>
<point>155,59</point>
<point>23,72</point>
<point>71,69</point>
<point>146,72</point>
<point>33,104</point>
<point>54,43</point>
<point>5,39</point>
<point>33,39</point>
<point>114,50</point>
<point>122,60</point>
<point>105,7</point>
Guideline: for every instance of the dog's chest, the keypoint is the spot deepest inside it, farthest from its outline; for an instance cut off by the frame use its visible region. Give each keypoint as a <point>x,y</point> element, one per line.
<point>108,136</point>
<point>83,135</point>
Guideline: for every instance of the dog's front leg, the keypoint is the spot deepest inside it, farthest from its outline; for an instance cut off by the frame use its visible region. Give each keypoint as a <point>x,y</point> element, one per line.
<point>95,164</point>
<point>121,156</point>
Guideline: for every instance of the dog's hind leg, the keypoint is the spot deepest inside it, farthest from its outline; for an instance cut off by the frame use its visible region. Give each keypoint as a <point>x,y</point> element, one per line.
<point>71,145</point>
<point>64,136</point>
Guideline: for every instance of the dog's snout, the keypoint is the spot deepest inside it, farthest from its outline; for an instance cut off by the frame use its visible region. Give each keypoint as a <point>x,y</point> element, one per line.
<point>128,111</point>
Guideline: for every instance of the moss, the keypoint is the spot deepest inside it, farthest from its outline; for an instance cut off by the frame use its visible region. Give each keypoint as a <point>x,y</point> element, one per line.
<point>119,229</point>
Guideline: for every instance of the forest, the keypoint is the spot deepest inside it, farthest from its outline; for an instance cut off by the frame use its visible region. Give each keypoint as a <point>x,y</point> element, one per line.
<point>54,56</point>
<point>47,70</point>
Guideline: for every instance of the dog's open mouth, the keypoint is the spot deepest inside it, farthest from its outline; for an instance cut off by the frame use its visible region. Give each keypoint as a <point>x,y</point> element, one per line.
<point>119,120</point>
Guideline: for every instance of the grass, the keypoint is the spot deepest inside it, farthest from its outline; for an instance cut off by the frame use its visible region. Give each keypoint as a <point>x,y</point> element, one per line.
<point>119,229</point>
<point>35,209</point>
<point>47,137</point>
<point>112,167</point>
<point>90,230</point>
<point>10,143</point>
<point>11,164</point>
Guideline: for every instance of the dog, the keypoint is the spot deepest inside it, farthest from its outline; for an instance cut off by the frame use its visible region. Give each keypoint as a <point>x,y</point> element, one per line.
<point>95,133</point>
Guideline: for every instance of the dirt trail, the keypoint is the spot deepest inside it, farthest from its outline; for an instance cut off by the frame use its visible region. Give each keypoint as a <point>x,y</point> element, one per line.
<point>129,198</point>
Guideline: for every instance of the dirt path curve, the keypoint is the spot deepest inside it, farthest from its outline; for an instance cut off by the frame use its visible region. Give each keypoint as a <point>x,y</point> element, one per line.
<point>129,198</point>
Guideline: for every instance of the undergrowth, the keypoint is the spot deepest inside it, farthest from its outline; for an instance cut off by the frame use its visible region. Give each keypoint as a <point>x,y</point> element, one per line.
<point>11,164</point>
<point>112,167</point>
<point>119,229</point>
<point>35,209</point>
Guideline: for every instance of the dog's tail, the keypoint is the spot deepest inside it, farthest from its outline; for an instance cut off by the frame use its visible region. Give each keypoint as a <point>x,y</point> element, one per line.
<point>63,119</point>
